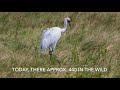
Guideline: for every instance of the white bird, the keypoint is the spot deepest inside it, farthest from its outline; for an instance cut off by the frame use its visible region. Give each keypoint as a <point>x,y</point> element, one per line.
<point>51,36</point>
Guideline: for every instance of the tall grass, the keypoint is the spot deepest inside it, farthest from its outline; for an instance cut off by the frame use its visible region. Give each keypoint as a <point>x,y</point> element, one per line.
<point>93,41</point>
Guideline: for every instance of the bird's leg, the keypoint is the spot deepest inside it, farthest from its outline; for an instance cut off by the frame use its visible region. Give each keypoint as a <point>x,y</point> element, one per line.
<point>50,53</point>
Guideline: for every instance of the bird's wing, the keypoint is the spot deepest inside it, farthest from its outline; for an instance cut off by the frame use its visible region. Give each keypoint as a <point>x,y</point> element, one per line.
<point>45,33</point>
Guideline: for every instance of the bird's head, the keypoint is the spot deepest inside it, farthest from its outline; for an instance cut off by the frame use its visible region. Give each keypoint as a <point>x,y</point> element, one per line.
<point>68,20</point>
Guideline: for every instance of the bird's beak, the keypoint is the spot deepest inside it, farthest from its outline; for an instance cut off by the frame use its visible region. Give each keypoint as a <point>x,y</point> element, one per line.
<point>69,24</point>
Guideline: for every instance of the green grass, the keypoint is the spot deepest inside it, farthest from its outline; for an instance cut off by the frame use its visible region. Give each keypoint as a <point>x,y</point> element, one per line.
<point>93,42</point>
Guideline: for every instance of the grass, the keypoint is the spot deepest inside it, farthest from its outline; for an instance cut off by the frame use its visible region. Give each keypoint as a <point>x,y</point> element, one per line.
<point>93,42</point>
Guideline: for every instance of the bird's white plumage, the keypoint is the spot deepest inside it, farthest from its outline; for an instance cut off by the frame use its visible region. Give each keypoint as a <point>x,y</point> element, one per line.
<point>50,36</point>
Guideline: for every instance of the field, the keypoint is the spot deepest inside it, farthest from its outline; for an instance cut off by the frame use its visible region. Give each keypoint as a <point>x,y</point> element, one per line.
<point>93,41</point>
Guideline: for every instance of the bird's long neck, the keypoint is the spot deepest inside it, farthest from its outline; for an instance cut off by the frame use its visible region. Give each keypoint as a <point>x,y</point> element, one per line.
<point>65,26</point>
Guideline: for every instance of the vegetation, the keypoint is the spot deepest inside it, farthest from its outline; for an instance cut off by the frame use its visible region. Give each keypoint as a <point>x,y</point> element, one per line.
<point>92,42</point>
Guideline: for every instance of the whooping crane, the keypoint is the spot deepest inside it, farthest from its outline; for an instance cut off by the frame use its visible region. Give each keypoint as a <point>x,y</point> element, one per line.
<point>50,37</point>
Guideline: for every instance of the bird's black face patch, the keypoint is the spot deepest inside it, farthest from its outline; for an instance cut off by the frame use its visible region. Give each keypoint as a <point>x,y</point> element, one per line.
<point>68,21</point>
<point>69,24</point>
